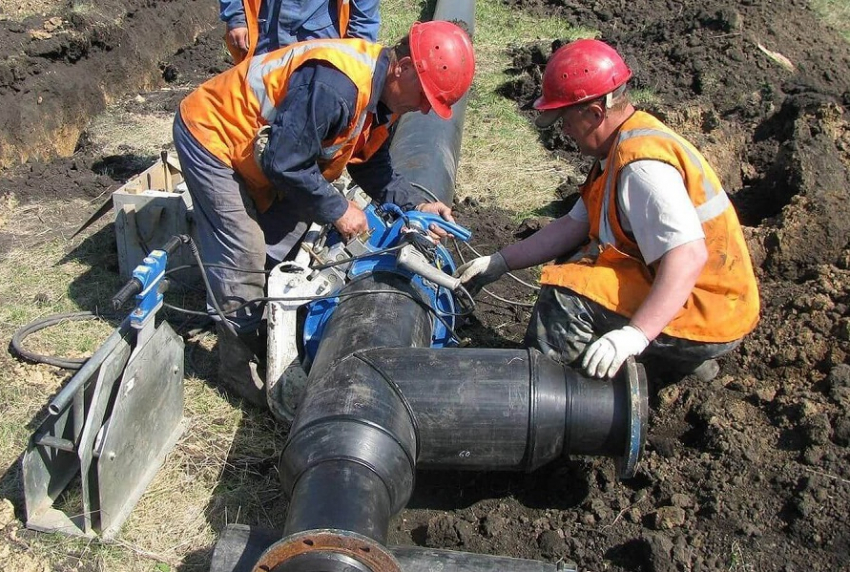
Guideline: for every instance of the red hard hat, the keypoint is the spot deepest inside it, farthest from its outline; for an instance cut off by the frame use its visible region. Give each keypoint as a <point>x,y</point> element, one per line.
<point>445,63</point>
<point>580,71</point>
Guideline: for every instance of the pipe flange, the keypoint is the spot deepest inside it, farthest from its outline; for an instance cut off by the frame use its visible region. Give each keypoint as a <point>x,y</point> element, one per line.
<point>635,376</point>
<point>356,546</point>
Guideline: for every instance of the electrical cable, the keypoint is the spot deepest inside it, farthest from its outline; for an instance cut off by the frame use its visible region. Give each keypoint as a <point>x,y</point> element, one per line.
<point>428,307</point>
<point>76,363</point>
<point>488,292</point>
<point>426,191</point>
<point>40,324</point>
<point>520,280</point>
<point>194,248</point>
<point>222,266</point>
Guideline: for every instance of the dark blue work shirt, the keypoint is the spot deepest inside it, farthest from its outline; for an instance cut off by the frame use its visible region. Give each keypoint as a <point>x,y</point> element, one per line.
<point>319,105</point>
<point>284,22</point>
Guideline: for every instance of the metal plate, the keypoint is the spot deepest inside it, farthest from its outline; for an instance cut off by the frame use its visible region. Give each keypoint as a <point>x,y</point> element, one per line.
<point>47,471</point>
<point>145,422</point>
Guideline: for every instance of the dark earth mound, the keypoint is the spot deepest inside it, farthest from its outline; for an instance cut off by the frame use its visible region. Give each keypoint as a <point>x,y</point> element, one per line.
<point>748,472</point>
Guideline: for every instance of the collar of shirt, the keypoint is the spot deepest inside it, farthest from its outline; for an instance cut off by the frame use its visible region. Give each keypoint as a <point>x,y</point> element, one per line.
<point>381,112</point>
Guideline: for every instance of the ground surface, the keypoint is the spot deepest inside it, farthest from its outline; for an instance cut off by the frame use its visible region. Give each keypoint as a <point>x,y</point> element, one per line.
<point>748,472</point>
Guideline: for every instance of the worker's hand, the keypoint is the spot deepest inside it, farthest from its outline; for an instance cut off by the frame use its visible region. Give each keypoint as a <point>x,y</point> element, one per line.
<point>477,273</point>
<point>352,222</point>
<point>441,209</point>
<point>238,38</point>
<point>605,356</point>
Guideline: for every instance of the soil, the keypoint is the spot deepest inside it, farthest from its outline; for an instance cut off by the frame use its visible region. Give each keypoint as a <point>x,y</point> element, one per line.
<point>748,472</point>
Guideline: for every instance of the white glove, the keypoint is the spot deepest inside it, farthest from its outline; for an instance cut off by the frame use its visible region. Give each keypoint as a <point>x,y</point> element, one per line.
<point>605,356</point>
<point>476,274</point>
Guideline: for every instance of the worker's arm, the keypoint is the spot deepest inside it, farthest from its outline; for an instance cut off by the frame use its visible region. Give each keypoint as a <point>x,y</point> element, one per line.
<point>379,179</point>
<point>317,107</point>
<point>382,182</point>
<point>677,274</point>
<point>364,20</point>
<point>654,207</point>
<point>233,14</point>
<point>553,240</point>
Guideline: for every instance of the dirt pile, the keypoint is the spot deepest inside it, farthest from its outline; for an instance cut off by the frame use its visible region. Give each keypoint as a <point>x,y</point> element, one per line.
<point>748,472</point>
<point>61,69</point>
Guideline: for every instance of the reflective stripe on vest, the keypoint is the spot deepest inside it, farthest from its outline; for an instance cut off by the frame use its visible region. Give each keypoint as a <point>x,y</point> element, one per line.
<point>717,201</point>
<point>260,67</point>
<point>225,113</point>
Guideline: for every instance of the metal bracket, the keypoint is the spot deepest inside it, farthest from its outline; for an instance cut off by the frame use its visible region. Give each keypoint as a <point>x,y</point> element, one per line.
<point>285,376</point>
<point>112,424</point>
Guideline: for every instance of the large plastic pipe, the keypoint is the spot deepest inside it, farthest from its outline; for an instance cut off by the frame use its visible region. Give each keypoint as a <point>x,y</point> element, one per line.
<point>240,546</point>
<point>426,148</point>
<point>350,458</point>
<point>502,409</point>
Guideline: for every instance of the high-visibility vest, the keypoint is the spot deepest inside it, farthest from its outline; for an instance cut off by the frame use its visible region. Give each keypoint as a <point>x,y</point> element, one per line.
<point>225,113</point>
<point>252,15</point>
<point>724,304</point>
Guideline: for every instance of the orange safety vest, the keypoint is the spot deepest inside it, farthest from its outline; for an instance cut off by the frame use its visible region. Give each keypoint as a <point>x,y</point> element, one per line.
<point>252,14</point>
<point>724,304</point>
<point>225,113</point>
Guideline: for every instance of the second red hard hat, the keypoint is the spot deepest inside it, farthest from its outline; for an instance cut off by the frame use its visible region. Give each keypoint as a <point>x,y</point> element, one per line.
<point>445,62</point>
<point>581,71</point>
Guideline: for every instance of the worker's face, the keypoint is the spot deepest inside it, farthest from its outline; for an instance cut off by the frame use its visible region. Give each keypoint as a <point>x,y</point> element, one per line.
<point>409,95</point>
<point>580,123</point>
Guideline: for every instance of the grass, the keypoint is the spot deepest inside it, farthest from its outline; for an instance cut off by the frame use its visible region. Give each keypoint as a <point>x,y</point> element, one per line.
<point>836,13</point>
<point>502,161</point>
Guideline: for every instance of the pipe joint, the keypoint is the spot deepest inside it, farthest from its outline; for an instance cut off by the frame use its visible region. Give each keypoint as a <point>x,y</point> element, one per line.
<point>343,441</point>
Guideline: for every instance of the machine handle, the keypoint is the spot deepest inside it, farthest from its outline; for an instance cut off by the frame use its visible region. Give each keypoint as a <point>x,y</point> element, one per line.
<point>174,242</point>
<point>130,289</point>
<point>424,220</point>
<point>135,285</point>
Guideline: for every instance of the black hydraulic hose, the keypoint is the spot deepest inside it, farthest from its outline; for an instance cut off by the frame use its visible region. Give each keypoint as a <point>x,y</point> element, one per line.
<point>26,330</point>
<point>66,395</point>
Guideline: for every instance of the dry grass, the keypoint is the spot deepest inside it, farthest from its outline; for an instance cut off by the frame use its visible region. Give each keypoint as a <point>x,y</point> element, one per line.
<point>118,132</point>
<point>19,9</point>
<point>836,13</point>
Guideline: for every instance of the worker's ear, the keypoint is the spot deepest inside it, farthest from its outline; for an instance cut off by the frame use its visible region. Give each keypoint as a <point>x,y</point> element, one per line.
<point>596,111</point>
<point>403,65</point>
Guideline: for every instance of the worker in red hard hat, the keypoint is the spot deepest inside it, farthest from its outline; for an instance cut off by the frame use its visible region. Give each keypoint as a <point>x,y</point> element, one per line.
<point>651,260</point>
<point>260,144</point>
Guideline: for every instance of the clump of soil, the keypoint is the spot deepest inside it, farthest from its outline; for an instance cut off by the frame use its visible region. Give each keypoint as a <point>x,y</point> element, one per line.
<point>61,69</point>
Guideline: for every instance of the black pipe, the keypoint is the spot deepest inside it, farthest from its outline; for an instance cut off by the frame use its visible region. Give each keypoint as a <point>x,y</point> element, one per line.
<point>424,147</point>
<point>350,458</point>
<point>240,547</point>
<point>485,409</point>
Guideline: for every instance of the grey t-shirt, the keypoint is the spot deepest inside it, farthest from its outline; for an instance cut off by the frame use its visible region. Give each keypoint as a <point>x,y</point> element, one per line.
<point>654,207</point>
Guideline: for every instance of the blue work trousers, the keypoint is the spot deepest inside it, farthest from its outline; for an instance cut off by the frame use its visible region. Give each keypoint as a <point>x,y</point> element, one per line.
<point>237,244</point>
